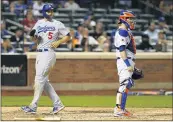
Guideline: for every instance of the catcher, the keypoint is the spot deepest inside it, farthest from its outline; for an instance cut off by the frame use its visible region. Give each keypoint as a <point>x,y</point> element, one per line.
<point>125,53</point>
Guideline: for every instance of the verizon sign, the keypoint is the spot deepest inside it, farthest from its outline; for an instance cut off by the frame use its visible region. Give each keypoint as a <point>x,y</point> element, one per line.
<point>13,70</point>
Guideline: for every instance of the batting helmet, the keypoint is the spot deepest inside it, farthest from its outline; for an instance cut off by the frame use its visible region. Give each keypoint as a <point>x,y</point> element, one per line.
<point>124,15</point>
<point>46,8</point>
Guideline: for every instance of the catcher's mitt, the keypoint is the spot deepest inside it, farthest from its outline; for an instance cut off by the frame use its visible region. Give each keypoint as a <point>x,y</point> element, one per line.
<point>137,74</point>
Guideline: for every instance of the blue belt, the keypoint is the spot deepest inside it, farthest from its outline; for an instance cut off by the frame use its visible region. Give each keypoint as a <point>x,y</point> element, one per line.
<point>42,50</point>
<point>127,57</point>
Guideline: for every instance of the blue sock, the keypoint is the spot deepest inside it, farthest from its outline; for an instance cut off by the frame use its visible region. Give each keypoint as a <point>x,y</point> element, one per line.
<point>123,100</point>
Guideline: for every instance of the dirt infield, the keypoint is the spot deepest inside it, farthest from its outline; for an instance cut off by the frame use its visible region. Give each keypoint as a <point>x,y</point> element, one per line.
<point>88,113</point>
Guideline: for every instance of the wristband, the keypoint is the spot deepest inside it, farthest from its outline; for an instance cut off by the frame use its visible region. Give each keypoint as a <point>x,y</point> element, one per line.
<point>126,61</point>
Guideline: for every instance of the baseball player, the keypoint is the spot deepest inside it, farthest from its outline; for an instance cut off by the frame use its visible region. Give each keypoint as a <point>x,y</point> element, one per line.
<point>125,53</point>
<point>49,34</point>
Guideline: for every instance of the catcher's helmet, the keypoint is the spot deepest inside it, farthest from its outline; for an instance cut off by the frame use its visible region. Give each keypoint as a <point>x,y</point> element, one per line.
<point>46,8</point>
<point>124,15</point>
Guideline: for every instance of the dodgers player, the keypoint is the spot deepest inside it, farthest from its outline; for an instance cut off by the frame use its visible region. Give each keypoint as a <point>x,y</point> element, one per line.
<point>48,32</point>
<point>125,53</point>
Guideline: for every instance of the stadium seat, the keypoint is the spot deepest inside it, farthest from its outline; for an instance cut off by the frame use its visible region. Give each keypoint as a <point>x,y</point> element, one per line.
<point>77,21</point>
<point>77,50</point>
<point>57,15</point>
<point>109,32</point>
<point>115,11</point>
<point>7,36</point>
<point>64,20</point>
<point>9,15</point>
<point>62,50</point>
<point>20,20</point>
<point>112,16</point>
<point>156,22</point>
<point>170,27</point>
<point>74,26</point>
<point>152,42</point>
<point>169,46</point>
<point>112,26</point>
<point>12,28</point>
<point>169,34</point>
<point>7,8</point>
<point>135,10</point>
<point>25,44</point>
<point>99,11</point>
<point>64,11</point>
<point>78,16</point>
<point>98,16</point>
<point>64,45</point>
<point>19,50</point>
<point>170,37</point>
<point>81,11</point>
<point>137,33</point>
<point>14,44</point>
<point>138,27</point>
<point>146,16</point>
<point>97,50</point>
<point>141,21</point>
<point>106,21</point>
<point>67,25</point>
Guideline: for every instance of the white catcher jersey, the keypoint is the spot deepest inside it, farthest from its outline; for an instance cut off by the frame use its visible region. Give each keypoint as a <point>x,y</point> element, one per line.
<point>124,37</point>
<point>48,32</point>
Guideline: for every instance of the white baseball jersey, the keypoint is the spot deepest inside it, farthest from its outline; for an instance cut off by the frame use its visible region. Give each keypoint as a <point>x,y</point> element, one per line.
<point>124,37</point>
<point>48,32</point>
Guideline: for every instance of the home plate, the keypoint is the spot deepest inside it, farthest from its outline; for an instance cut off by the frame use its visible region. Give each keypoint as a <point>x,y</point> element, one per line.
<point>38,118</point>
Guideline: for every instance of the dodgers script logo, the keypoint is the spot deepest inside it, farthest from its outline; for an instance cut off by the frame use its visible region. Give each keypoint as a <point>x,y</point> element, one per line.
<point>45,28</point>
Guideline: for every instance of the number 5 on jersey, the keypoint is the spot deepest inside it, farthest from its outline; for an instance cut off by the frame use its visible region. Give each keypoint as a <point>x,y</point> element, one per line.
<point>50,35</point>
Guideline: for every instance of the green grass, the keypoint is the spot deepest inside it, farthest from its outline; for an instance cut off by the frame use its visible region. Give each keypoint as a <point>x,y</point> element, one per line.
<point>93,101</point>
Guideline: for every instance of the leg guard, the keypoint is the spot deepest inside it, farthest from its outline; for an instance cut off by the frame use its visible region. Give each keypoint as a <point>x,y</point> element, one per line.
<point>123,89</point>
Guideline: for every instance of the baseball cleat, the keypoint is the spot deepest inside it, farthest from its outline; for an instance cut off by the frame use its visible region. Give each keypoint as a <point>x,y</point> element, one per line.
<point>27,109</point>
<point>57,109</point>
<point>120,112</point>
<point>127,113</point>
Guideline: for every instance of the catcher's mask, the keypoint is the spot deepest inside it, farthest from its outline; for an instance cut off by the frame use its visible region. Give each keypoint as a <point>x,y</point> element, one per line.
<point>127,17</point>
